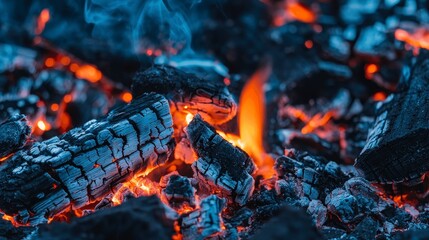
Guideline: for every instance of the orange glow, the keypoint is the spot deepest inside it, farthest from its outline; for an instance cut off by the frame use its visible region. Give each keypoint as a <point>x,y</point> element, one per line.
<point>316,121</point>
<point>55,107</point>
<point>74,67</point>
<point>42,20</point>
<point>65,60</point>
<point>5,157</point>
<point>89,72</point>
<point>419,38</point>
<point>251,119</point>
<point>42,125</point>
<point>138,185</point>
<point>49,62</point>
<point>370,69</point>
<point>300,12</point>
<point>127,97</point>
<point>67,98</point>
<point>379,96</point>
<point>308,44</point>
<point>189,117</point>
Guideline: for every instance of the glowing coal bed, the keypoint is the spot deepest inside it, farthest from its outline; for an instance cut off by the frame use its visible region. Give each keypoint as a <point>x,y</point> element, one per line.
<point>243,119</point>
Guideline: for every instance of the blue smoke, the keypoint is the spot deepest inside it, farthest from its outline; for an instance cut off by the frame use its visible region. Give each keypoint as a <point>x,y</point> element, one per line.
<point>141,26</point>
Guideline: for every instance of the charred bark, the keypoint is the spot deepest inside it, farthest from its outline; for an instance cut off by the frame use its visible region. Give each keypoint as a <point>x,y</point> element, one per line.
<point>187,93</point>
<point>86,163</point>
<point>220,166</point>
<point>13,134</point>
<point>397,145</point>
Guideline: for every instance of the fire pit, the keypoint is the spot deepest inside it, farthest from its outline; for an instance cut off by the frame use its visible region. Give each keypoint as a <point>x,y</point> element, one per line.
<point>245,119</point>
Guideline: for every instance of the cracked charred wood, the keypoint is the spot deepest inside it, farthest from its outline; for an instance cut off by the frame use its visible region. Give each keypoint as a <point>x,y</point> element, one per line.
<point>220,166</point>
<point>397,145</point>
<point>84,164</point>
<point>141,218</point>
<point>204,221</point>
<point>13,134</point>
<point>187,93</point>
<point>177,191</point>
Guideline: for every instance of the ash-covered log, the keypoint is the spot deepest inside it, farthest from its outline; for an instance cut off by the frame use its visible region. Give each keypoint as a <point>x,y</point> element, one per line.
<point>397,145</point>
<point>141,218</point>
<point>13,134</point>
<point>187,93</point>
<point>86,163</point>
<point>221,167</point>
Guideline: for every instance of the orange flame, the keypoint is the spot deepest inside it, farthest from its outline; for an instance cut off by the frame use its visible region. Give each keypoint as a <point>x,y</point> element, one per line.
<point>42,20</point>
<point>251,119</point>
<point>138,185</point>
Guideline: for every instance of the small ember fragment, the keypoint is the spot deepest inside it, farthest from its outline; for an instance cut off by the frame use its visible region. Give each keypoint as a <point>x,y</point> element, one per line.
<point>177,191</point>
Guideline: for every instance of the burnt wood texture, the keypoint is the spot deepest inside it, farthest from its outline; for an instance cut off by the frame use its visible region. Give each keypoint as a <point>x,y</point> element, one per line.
<point>187,93</point>
<point>220,166</point>
<point>398,143</point>
<point>86,163</point>
<point>14,132</point>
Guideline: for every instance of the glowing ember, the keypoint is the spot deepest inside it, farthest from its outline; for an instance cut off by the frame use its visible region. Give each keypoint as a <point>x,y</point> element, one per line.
<point>189,117</point>
<point>89,72</point>
<point>308,44</point>
<point>419,38</point>
<point>316,121</point>
<point>251,119</point>
<point>42,20</point>
<point>233,139</point>
<point>55,107</point>
<point>300,12</point>
<point>65,60</point>
<point>379,96</point>
<point>139,185</point>
<point>127,97</point>
<point>49,62</point>
<point>370,69</point>
<point>42,125</point>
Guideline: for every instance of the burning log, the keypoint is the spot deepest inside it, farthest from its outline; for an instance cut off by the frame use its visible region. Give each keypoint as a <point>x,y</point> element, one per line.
<point>204,221</point>
<point>396,148</point>
<point>220,166</point>
<point>177,191</point>
<point>187,93</point>
<point>134,219</point>
<point>13,135</point>
<point>86,163</point>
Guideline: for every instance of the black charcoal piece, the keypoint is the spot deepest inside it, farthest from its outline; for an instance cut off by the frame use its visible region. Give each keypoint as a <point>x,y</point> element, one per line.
<point>187,93</point>
<point>397,145</point>
<point>177,191</point>
<point>14,132</point>
<point>343,205</point>
<point>140,218</point>
<point>204,221</point>
<point>86,163</point>
<point>220,166</point>
<point>288,223</point>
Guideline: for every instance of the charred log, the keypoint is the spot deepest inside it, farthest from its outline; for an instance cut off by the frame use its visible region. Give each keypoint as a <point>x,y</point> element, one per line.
<point>86,163</point>
<point>136,219</point>
<point>187,93</point>
<point>10,106</point>
<point>221,166</point>
<point>13,134</point>
<point>397,145</point>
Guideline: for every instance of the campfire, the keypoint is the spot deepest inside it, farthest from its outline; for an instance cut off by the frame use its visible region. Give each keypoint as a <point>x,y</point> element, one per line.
<point>246,119</point>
